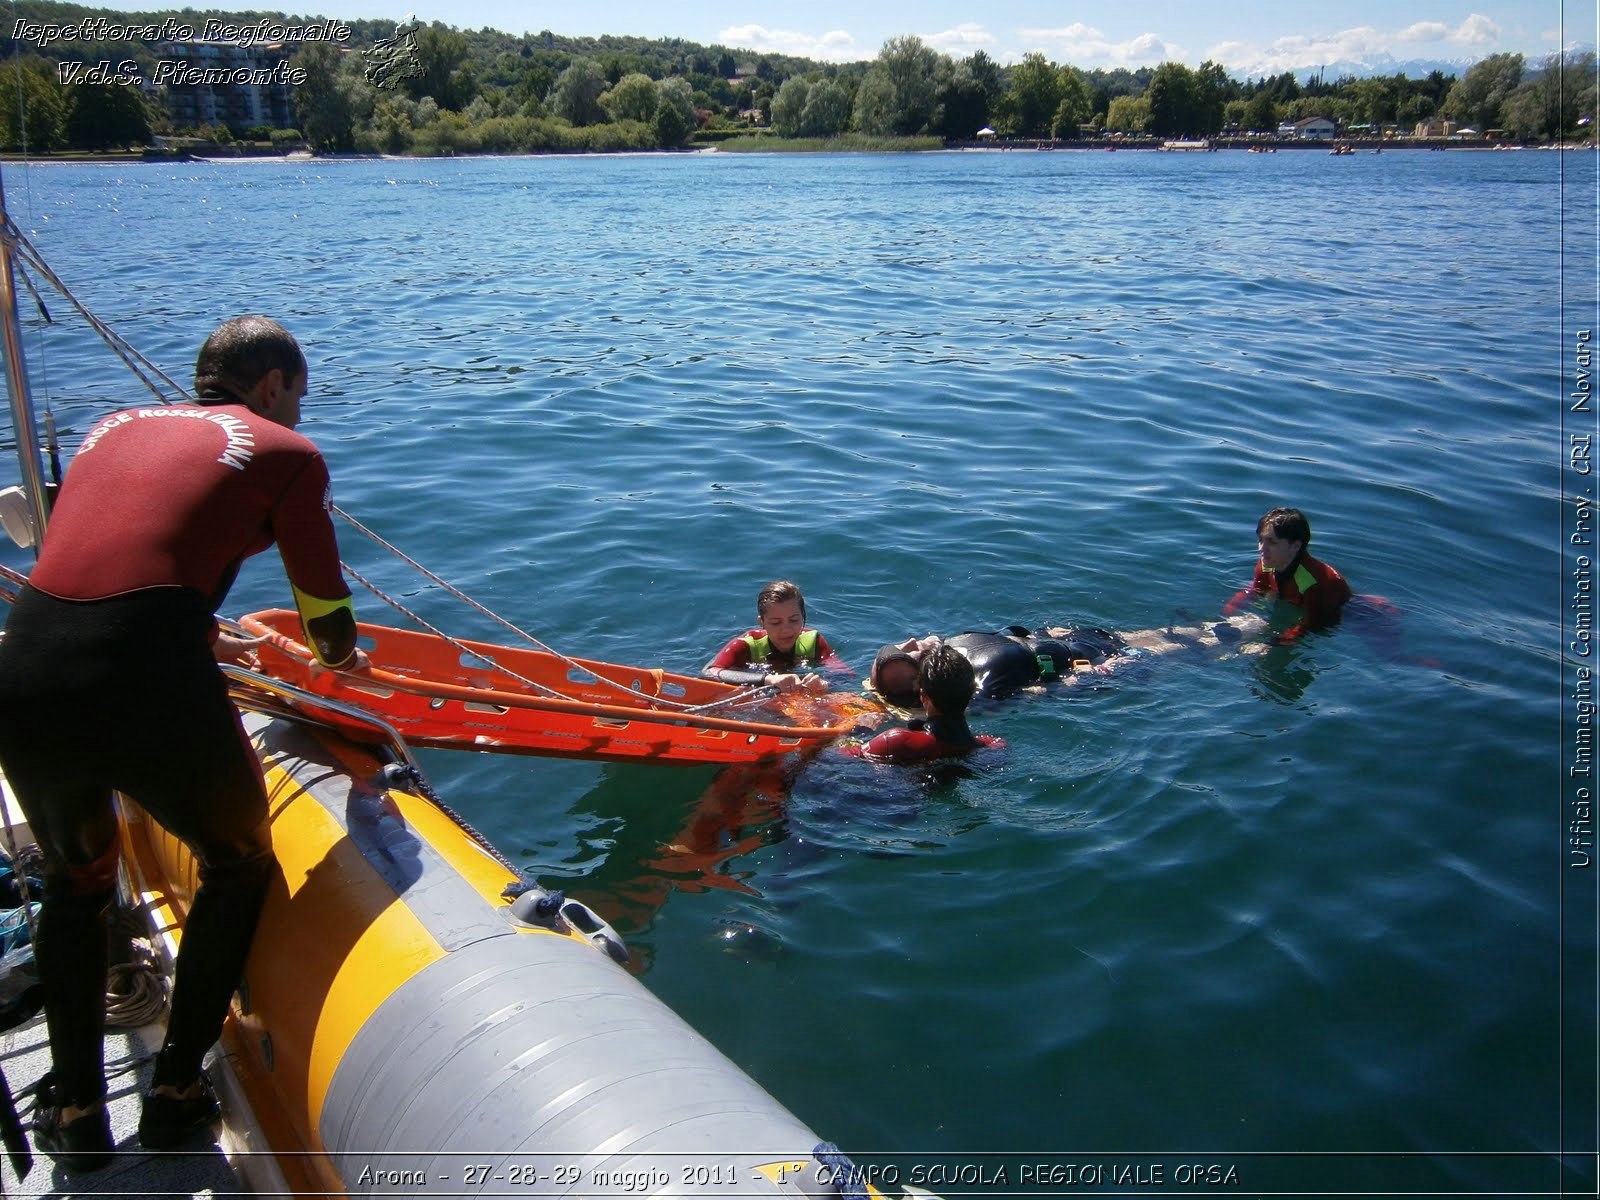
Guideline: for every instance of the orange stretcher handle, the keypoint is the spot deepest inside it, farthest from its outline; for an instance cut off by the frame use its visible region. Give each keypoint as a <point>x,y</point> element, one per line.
<point>453,691</point>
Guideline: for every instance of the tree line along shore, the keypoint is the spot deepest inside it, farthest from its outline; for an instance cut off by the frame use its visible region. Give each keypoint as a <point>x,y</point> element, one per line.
<point>372,87</point>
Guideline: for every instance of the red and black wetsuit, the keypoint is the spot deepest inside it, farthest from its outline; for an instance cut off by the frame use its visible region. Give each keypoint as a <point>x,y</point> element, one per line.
<point>108,681</point>
<point>1309,584</point>
<point>939,737</point>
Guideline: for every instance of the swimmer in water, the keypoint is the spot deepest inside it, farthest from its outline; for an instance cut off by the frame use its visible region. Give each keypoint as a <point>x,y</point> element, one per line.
<point>1017,659</point>
<point>776,653</point>
<point>1285,571</point>
<point>945,686</point>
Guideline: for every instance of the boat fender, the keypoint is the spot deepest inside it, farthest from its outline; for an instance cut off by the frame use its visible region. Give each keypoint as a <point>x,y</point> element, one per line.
<point>534,905</point>
<point>16,517</point>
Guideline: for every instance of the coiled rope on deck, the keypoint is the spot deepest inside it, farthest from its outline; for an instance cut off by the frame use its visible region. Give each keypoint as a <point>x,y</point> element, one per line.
<point>136,990</point>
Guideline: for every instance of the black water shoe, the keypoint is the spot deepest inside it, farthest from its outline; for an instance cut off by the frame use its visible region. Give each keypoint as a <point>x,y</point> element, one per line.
<point>168,1122</point>
<point>84,1144</point>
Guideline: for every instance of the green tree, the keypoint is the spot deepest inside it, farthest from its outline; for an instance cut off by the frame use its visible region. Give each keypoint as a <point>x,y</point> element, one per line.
<point>904,82</point>
<point>632,99</point>
<point>1212,88</point>
<point>1036,90</point>
<point>1414,109</point>
<point>390,129</point>
<point>1074,108</point>
<point>99,116</point>
<point>875,108</point>
<point>1372,100</point>
<point>789,106</point>
<point>985,73</point>
<point>1284,88</point>
<point>1550,104</point>
<point>576,95</point>
<point>442,54</point>
<point>674,97</point>
<point>29,89</point>
<point>670,128</point>
<point>1128,114</point>
<point>532,85</point>
<point>326,103</point>
<point>827,110</point>
<point>963,98</point>
<point>1260,113</point>
<point>1477,96</point>
<point>1174,104</point>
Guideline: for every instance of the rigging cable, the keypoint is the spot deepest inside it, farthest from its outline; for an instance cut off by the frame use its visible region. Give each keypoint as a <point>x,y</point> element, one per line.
<point>742,696</point>
<point>17,243</point>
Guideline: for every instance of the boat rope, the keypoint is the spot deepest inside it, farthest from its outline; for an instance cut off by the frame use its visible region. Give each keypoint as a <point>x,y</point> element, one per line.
<point>16,243</point>
<point>136,990</point>
<point>442,635</point>
<point>740,697</point>
<point>410,775</point>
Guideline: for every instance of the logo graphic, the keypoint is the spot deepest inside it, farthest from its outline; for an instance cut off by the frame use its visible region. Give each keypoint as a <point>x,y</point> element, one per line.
<point>392,59</point>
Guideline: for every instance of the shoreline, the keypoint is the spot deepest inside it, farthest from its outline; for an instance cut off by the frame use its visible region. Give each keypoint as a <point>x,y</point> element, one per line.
<point>1030,145</point>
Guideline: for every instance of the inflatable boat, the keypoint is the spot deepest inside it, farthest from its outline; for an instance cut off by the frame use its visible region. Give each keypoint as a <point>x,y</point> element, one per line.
<point>417,1019</point>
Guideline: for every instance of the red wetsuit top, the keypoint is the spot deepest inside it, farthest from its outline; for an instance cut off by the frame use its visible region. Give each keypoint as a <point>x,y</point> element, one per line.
<point>753,650</point>
<point>938,738</point>
<point>179,496</point>
<point>1309,584</point>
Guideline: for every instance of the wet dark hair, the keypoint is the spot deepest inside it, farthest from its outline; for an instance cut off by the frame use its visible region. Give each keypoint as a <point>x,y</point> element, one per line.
<point>946,678</point>
<point>779,591</point>
<point>887,655</point>
<point>240,353</point>
<point>1290,524</point>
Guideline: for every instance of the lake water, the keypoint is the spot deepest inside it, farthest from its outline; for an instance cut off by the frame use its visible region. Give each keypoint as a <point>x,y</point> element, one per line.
<point>1308,920</point>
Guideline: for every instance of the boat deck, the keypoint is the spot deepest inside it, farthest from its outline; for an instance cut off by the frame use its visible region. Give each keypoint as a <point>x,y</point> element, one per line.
<point>129,1056</point>
<point>25,1056</point>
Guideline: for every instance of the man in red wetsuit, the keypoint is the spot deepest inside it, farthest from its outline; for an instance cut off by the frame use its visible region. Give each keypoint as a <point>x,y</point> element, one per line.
<point>1286,571</point>
<point>109,680</point>
<point>946,684</point>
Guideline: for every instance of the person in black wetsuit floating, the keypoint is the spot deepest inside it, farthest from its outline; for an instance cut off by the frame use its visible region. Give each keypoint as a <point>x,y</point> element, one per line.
<point>1017,659</point>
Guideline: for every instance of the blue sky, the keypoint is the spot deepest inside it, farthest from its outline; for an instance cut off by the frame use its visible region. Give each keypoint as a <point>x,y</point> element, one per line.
<point>1249,37</point>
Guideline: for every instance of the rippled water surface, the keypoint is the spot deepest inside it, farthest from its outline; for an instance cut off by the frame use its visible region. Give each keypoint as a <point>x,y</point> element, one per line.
<point>1294,915</point>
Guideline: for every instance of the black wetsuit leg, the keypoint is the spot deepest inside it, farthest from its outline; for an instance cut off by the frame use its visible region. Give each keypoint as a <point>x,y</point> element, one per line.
<point>124,694</point>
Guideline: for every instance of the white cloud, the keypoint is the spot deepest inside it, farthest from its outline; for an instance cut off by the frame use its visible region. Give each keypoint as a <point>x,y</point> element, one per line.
<point>1362,43</point>
<point>1084,46</point>
<point>1476,30</point>
<point>1423,31</point>
<point>834,46</point>
<point>960,41</point>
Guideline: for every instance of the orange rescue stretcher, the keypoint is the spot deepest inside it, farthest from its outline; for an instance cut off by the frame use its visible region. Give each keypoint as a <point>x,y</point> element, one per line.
<point>433,694</point>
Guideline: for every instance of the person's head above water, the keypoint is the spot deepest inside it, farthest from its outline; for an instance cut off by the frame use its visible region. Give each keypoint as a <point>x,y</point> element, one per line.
<point>894,676</point>
<point>1281,535</point>
<point>946,680</point>
<point>782,610</point>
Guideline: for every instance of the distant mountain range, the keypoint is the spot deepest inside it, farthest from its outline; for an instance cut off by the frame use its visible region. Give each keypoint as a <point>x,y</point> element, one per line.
<point>1385,64</point>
